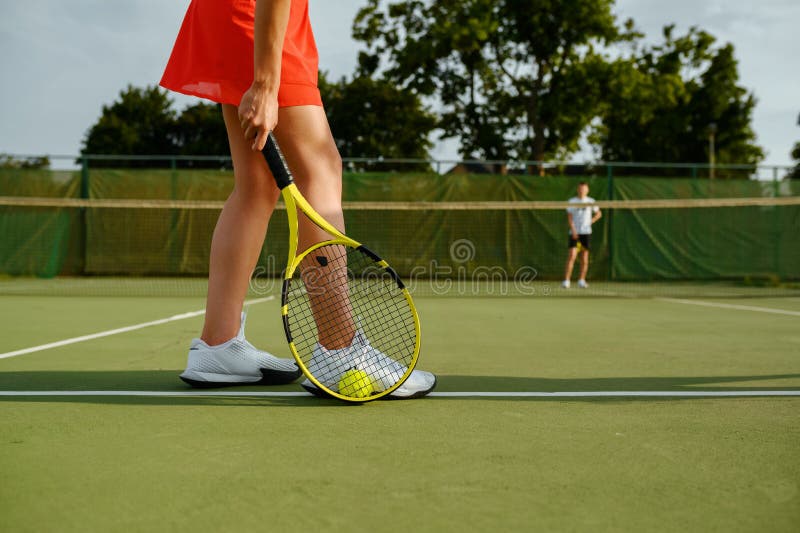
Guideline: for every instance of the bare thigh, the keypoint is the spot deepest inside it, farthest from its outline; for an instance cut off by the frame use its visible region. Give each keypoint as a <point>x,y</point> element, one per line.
<point>305,138</point>
<point>310,151</point>
<point>252,177</point>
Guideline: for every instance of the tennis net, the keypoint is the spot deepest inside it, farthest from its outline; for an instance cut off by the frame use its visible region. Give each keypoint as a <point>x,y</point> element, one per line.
<point>709,247</point>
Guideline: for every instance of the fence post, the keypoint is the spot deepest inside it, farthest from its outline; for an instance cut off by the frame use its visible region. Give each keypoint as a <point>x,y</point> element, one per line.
<point>83,218</point>
<point>609,224</point>
<point>173,218</point>
<point>84,177</point>
<point>173,178</point>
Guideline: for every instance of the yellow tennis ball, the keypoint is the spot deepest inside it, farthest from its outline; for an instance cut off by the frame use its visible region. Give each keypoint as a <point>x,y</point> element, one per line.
<point>355,384</point>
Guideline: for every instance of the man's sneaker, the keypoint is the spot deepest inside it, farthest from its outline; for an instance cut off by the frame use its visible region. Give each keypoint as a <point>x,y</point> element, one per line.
<point>565,284</point>
<point>329,365</point>
<point>582,284</point>
<point>236,362</point>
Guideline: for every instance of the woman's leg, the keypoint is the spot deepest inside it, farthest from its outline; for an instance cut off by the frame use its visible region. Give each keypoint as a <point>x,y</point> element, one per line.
<point>310,151</point>
<point>308,146</point>
<point>238,236</point>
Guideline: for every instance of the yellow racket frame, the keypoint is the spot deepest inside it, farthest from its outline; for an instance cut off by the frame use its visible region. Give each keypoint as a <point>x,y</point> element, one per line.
<point>294,200</point>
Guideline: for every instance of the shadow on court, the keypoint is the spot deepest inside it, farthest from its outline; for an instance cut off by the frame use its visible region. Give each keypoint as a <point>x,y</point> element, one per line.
<point>167,381</point>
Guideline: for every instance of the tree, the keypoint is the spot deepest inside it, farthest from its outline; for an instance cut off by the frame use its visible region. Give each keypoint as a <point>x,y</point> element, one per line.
<point>372,118</point>
<point>140,122</point>
<point>369,119</point>
<point>664,101</point>
<point>514,78</point>
<point>34,162</point>
<point>200,130</point>
<point>795,172</point>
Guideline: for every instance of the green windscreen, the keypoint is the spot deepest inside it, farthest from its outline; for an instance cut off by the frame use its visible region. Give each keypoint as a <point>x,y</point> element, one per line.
<point>452,230</point>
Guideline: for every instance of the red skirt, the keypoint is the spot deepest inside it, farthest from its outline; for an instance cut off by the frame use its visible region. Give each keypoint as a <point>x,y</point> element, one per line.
<point>213,54</point>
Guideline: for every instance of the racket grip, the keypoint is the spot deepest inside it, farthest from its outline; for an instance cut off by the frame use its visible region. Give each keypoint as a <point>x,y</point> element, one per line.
<point>276,164</point>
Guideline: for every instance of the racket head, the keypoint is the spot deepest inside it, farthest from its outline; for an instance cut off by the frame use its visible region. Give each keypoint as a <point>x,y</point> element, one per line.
<point>350,321</point>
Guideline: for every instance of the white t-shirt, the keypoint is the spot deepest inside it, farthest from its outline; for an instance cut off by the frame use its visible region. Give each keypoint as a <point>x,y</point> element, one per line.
<point>582,216</point>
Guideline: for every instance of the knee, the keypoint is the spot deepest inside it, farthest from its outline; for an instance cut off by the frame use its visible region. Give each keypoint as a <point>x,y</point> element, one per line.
<point>255,187</point>
<point>333,161</point>
<point>320,180</point>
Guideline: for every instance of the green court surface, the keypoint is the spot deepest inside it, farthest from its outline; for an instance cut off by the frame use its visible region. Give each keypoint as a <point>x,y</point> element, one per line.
<point>232,462</point>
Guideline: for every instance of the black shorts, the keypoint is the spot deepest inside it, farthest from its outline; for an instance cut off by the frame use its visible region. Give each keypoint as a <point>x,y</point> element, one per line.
<point>584,238</point>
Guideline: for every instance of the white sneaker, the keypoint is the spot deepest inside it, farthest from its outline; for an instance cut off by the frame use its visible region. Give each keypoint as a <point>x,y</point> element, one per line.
<point>329,365</point>
<point>582,284</point>
<point>565,284</point>
<point>236,362</point>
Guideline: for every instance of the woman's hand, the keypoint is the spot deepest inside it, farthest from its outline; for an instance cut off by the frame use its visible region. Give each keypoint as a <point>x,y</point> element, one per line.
<point>258,114</point>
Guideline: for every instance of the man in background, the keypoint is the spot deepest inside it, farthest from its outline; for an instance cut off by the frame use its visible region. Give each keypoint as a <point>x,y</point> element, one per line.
<point>580,221</point>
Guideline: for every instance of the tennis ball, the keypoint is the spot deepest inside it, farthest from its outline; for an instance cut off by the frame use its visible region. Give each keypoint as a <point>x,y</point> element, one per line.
<point>355,384</point>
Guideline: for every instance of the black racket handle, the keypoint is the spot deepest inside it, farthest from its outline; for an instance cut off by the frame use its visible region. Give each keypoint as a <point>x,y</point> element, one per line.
<point>276,163</point>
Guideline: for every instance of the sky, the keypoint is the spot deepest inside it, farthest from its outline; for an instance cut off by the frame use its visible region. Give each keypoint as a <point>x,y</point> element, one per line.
<point>62,61</point>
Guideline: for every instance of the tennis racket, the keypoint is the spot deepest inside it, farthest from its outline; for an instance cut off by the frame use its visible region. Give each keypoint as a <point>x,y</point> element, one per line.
<point>350,322</point>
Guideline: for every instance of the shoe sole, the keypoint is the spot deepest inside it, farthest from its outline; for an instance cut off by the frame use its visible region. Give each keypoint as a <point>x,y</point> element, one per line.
<point>268,377</point>
<point>319,393</point>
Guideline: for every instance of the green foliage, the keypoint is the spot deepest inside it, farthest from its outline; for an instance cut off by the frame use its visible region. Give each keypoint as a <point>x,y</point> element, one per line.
<point>142,121</point>
<point>525,79</point>
<point>795,172</point>
<point>372,118</point>
<point>34,162</point>
<point>663,102</point>
<point>200,130</point>
<point>511,79</point>
<point>368,118</point>
<point>515,78</point>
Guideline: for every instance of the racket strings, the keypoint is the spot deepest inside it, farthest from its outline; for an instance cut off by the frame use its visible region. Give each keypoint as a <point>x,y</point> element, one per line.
<point>346,312</point>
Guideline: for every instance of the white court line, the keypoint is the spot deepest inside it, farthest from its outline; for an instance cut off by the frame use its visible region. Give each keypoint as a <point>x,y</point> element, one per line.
<point>502,394</point>
<point>732,306</point>
<point>125,329</point>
